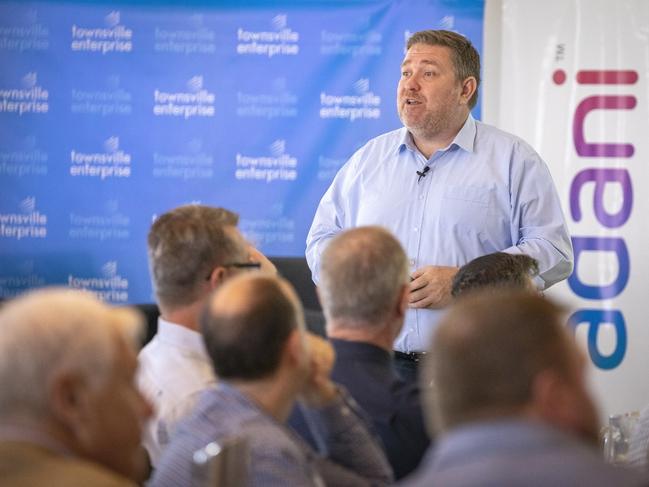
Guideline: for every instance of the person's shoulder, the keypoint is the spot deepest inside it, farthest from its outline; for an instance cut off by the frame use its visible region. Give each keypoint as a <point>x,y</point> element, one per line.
<point>492,135</point>
<point>45,468</point>
<point>80,472</point>
<point>387,139</point>
<point>561,465</point>
<point>378,148</point>
<point>149,350</point>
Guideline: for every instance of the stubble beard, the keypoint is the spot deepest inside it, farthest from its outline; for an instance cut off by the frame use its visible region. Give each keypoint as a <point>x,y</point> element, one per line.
<point>429,127</point>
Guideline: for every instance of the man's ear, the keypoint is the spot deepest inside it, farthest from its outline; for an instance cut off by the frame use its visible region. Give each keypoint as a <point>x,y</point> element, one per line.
<point>294,348</point>
<point>217,277</point>
<point>551,400</point>
<point>469,86</point>
<point>68,400</point>
<point>402,302</point>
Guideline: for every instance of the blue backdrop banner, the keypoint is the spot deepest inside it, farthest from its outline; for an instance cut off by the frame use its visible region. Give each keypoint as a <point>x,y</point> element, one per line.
<point>111,115</point>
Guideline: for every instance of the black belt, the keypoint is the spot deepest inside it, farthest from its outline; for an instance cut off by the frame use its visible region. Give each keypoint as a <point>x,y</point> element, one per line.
<point>410,356</point>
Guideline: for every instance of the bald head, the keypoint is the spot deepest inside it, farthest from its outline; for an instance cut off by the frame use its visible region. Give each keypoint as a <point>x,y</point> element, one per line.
<point>489,350</point>
<point>247,323</point>
<point>363,272</point>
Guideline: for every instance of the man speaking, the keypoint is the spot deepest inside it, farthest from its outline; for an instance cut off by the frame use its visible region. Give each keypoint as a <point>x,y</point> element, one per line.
<point>449,187</point>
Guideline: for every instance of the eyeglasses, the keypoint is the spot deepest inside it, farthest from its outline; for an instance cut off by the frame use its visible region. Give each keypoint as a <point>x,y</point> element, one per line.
<point>238,265</point>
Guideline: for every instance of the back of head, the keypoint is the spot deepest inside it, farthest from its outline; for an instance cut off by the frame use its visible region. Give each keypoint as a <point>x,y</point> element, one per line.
<point>247,323</point>
<point>487,352</point>
<point>53,331</point>
<point>185,245</point>
<point>363,272</point>
<point>495,271</point>
<point>466,59</point>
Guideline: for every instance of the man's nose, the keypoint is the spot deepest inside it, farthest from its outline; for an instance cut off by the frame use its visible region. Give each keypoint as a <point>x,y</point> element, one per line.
<point>411,84</point>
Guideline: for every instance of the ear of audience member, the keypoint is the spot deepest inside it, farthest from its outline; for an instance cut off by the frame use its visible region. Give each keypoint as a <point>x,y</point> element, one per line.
<point>70,413</point>
<point>364,294</point>
<point>496,272</point>
<point>510,398</point>
<point>254,334</point>
<point>192,250</point>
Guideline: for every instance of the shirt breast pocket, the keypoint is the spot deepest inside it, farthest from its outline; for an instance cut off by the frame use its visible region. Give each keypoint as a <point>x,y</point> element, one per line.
<point>467,208</point>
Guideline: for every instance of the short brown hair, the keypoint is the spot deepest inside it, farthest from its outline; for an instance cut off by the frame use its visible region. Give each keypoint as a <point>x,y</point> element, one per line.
<point>184,246</point>
<point>466,59</point>
<point>486,352</point>
<point>495,271</point>
<point>245,338</point>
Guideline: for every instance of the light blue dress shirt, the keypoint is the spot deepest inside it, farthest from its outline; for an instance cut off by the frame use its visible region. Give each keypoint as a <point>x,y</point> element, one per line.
<point>516,452</point>
<point>488,191</point>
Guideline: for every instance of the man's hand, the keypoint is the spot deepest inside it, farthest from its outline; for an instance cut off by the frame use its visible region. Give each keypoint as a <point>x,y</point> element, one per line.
<point>319,389</point>
<point>431,287</point>
<point>256,256</point>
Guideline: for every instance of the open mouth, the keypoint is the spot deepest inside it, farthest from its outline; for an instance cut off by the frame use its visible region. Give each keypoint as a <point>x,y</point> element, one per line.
<point>412,101</point>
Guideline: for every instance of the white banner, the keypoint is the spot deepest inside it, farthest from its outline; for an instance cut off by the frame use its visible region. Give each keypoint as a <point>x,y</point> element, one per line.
<point>573,83</point>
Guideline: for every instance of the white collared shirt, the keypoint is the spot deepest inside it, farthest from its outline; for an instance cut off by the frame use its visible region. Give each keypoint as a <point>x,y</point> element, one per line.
<point>174,369</point>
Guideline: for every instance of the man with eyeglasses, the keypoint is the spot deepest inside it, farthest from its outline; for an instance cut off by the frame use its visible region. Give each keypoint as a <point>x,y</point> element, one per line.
<point>192,250</point>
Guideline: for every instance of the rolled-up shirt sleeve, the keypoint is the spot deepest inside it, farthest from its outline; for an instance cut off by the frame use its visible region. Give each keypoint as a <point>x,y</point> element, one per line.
<point>537,222</point>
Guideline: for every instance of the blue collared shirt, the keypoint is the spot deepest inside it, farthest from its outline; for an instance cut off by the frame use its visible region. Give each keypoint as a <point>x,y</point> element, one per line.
<point>516,452</point>
<point>488,191</point>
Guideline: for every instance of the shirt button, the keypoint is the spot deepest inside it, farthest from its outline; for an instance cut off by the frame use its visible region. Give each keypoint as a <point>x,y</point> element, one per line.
<point>416,229</point>
<point>411,262</point>
<point>421,197</point>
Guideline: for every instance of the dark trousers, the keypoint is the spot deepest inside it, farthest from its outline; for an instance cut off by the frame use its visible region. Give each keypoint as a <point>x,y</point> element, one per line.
<point>407,369</point>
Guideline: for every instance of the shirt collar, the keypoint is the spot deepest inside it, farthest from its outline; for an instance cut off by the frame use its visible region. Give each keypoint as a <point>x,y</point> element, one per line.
<point>180,336</point>
<point>352,349</point>
<point>464,139</point>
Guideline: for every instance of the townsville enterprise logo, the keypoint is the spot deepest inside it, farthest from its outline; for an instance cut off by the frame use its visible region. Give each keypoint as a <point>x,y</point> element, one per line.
<point>27,222</point>
<point>363,104</point>
<point>111,37</point>
<point>279,40</point>
<point>107,285</point>
<point>112,163</point>
<point>196,101</point>
<point>276,166</point>
<point>30,97</point>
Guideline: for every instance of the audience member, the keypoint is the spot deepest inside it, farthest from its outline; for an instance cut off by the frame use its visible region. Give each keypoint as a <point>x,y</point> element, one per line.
<point>365,305</point>
<point>70,413</point>
<point>496,271</point>
<point>254,333</point>
<point>192,250</point>
<point>511,399</point>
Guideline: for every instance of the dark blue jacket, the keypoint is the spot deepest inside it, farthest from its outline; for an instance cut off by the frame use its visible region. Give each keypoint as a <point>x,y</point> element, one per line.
<point>392,405</point>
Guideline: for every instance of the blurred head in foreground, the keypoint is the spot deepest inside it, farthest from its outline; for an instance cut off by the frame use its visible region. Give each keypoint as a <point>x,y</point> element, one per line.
<point>508,355</point>
<point>67,366</point>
